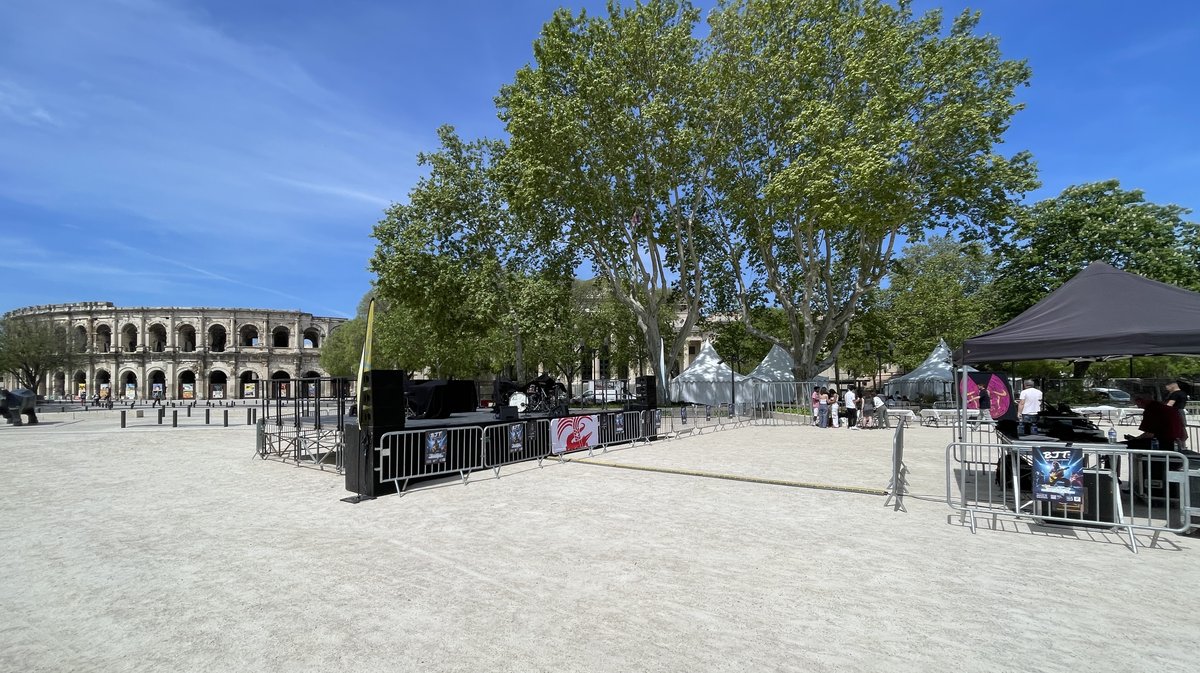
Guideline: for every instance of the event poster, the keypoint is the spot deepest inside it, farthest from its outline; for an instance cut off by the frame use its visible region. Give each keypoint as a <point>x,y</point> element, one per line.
<point>619,424</point>
<point>683,415</point>
<point>82,388</point>
<point>992,392</point>
<point>156,388</point>
<point>435,447</point>
<point>130,391</point>
<point>516,437</point>
<point>105,391</point>
<point>218,391</point>
<point>1058,475</point>
<point>312,390</point>
<point>249,390</point>
<point>189,391</point>
<point>708,412</point>
<point>573,433</point>
<point>657,419</point>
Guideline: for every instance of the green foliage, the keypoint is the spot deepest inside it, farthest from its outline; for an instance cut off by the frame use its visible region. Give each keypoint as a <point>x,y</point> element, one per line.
<point>840,127</point>
<point>1056,238</point>
<point>938,289</point>
<point>470,284</point>
<point>31,348</point>
<point>604,135</point>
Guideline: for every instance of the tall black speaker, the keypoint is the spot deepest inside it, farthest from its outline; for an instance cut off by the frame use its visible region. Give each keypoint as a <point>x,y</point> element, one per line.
<point>383,405</point>
<point>646,390</point>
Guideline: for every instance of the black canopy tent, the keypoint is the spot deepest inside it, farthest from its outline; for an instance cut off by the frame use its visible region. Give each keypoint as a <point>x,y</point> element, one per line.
<point>1101,312</point>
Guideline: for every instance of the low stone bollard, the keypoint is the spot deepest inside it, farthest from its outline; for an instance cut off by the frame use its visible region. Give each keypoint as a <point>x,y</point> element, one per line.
<point>206,413</point>
<point>122,418</point>
<point>174,418</point>
<point>139,414</point>
<point>227,418</point>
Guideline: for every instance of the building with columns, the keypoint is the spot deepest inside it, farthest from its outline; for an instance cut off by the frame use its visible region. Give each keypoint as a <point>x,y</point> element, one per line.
<point>187,353</point>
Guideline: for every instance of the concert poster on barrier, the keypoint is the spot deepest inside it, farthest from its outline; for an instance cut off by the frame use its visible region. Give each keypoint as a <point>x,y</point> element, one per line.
<point>1058,475</point>
<point>189,391</point>
<point>992,392</point>
<point>683,415</point>
<point>573,433</point>
<point>619,424</point>
<point>435,447</point>
<point>657,418</point>
<point>516,437</point>
<point>708,412</point>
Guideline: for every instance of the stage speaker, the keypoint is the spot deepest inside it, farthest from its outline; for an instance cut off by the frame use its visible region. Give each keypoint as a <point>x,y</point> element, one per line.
<point>646,390</point>
<point>360,457</point>
<point>383,406</point>
<point>508,413</point>
<point>439,402</point>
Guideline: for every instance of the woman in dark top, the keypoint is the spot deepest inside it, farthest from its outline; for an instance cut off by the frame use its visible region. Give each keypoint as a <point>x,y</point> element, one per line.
<point>1177,399</point>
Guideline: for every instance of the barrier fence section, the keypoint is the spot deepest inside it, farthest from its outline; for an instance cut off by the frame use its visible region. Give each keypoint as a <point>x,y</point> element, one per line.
<point>1006,480</point>
<point>417,454</point>
<point>515,442</point>
<point>303,421</point>
<point>897,487</point>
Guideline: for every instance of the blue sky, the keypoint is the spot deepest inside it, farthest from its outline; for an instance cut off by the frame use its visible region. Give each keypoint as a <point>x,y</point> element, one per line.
<point>237,153</point>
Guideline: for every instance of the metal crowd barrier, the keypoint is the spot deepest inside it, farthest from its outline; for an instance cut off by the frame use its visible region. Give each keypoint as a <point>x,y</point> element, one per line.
<point>994,480</point>
<point>897,486</point>
<point>417,454</point>
<point>515,442</point>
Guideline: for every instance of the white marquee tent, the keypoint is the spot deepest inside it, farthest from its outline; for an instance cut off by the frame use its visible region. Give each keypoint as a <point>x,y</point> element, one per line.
<point>934,377</point>
<point>708,380</point>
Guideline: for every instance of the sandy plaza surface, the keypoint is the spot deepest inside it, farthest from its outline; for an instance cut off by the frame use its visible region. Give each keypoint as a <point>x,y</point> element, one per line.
<point>161,549</point>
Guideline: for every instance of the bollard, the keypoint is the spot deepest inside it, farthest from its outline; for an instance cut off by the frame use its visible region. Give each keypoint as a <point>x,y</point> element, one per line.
<point>227,418</point>
<point>174,418</point>
<point>189,410</point>
<point>206,411</point>
<point>122,418</point>
<point>160,416</point>
<point>248,421</point>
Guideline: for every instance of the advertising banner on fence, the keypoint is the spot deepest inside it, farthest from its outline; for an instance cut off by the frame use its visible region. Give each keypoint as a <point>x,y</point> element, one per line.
<point>1058,475</point>
<point>619,425</point>
<point>516,438</point>
<point>574,433</point>
<point>435,447</point>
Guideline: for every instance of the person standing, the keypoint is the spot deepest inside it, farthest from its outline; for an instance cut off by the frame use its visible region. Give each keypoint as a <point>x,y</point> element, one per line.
<point>851,409</point>
<point>1177,400</point>
<point>1029,406</point>
<point>816,405</point>
<point>881,414</point>
<point>823,409</point>
<point>833,407</point>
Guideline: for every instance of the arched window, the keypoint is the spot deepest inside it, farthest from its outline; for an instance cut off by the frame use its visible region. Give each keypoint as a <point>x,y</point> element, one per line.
<point>158,338</point>
<point>80,338</point>
<point>312,338</point>
<point>187,339</point>
<point>280,337</point>
<point>104,338</point>
<point>248,335</point>
<point>216,339</point>
<point>129,339</point>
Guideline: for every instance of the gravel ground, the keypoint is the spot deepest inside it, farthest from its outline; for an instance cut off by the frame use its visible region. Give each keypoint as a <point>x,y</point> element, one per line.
<point>156,549</point>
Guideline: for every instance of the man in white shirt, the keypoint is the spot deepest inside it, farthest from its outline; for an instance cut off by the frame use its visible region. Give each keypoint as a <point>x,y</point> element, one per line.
<point>1029,406</point>
<point>852,409</point>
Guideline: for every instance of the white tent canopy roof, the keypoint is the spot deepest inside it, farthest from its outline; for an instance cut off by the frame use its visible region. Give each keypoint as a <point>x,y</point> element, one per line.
<point>777,365</point>
<point>933,377</point>
<point>708,380</point>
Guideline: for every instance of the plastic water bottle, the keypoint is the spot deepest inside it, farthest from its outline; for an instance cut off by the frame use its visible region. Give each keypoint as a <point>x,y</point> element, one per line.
<point>1112,435</point>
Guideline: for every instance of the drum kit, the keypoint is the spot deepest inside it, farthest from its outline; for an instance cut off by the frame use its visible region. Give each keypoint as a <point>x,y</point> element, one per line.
<point>542,394</point>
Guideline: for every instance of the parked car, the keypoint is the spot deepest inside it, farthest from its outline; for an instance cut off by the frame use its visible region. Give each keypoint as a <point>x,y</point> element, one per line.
<point>602,396</point>
<point>1111,395</point>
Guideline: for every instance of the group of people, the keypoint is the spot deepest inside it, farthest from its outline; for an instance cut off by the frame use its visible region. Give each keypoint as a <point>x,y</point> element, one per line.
<point>830,406</point>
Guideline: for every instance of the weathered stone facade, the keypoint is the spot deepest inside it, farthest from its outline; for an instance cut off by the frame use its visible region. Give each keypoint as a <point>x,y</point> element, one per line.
<point>215,351</point>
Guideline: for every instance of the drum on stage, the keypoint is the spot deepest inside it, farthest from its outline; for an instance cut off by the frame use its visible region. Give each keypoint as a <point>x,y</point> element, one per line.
<point>520,401</point>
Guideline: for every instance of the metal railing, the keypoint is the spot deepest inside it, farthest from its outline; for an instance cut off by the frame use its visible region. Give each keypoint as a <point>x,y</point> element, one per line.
<point>420,454</point>
<point>897,486</point>
<point>995,480</point>
<point>515,442</point>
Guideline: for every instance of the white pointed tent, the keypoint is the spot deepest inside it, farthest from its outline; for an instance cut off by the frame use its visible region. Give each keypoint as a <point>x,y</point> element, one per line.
<point>708,380</point>
<point>934,377</point>
<point>775,371</point>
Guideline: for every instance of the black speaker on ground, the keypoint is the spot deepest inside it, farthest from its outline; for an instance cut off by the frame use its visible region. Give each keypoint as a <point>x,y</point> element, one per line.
<point>440,402</point>
<point>646,390</point>
<point>360,457</point>
<point>507,413</point>
<point>382,408</point>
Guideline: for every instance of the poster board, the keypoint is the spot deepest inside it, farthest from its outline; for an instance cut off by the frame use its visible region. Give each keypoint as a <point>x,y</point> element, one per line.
<point>1058,475</point>
<point>189,391</point>
<point>573,433</point>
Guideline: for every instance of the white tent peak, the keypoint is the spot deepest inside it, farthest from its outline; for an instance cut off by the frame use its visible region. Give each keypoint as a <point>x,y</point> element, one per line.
<point>708,366</point>
<point>777,365</point>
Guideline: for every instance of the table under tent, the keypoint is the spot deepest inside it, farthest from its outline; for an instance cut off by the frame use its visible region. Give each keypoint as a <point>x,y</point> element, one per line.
<point>1100,313</point>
